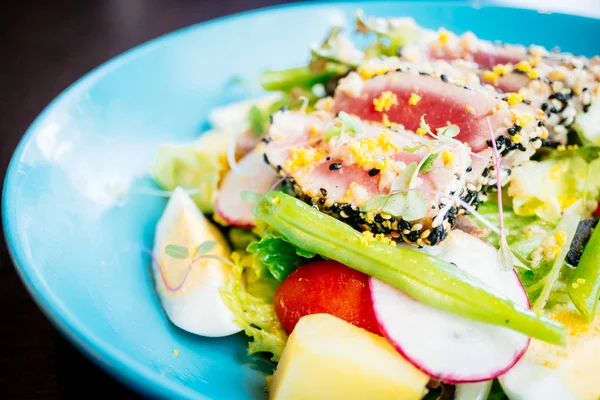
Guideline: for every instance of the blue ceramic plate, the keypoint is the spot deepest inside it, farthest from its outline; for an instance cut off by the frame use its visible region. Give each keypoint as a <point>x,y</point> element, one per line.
<point>78,246</point>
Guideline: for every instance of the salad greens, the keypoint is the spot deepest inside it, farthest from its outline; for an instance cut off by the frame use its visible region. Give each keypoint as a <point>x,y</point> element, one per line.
<point>423,277</point>
<point>249,295</point>
<point>190,167</point>
<point>584,287</point>
<point>279,255</point>
<point>547,188</point>
<point>533,242</point>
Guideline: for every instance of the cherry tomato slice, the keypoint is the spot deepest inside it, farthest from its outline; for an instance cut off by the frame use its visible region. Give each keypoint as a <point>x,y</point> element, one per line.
<point>326,287</point>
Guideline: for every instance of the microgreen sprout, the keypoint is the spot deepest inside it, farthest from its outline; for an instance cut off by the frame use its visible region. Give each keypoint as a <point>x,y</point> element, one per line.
<point>181,253</point>
<point>506,257</point>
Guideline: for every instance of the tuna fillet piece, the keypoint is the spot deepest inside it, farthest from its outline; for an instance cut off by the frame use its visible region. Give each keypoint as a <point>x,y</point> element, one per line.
<point>563,85</point>
<point>401,93</point>
<point>339,172</point>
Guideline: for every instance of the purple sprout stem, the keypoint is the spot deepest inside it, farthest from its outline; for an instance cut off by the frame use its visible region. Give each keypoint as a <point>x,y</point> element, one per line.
<point>163,276</point>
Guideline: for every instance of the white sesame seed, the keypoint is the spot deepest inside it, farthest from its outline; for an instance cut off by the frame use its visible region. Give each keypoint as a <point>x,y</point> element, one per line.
<point>560,130</point>
<point>586,98</point>
<point>569,112</point>
<point>471,187</point>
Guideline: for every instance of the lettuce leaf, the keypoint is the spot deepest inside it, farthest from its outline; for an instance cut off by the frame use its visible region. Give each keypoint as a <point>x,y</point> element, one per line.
<point>525,236</point>
<point>199,165</point>
<point>249,295</point>
<point>278,255</point>
<point>547,188</point>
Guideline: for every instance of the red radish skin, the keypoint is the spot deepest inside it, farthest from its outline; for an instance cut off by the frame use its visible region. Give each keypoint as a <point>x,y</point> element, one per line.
<point>411,354</point>
<point>325,287</point>
<point>252,174</point>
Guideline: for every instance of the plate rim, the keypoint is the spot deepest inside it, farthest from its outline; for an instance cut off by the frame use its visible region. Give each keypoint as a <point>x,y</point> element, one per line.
<point>115,362</point>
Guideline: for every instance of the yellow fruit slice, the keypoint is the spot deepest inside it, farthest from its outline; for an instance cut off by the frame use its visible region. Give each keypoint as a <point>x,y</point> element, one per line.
<point>328,358</point>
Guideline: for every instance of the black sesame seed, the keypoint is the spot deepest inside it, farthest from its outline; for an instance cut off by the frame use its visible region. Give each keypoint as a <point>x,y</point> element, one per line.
<point>265,158</point>
<point>279,168</point>
<point>335,166</point>
<point>323,192</point>
<point>444,77</point>
<point>373,171</point>
<point>512,131</point>
<point>586,108</point>
<point>328,158</point>
<point>283,109</point>
<point>423,73</point>
<point>544,106</point>
<point>378,218</point>
<point>270,118</point>
<point>528,102</point>
<point>469,168</point>
<point>413,236</point>
<point>266,140</point>
<point>540,123</point>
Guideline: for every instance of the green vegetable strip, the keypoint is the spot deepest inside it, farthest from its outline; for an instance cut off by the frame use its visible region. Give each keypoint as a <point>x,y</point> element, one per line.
<point>568,225</point>
<point>300,77</point>
<point>585,281</point>
<point>423,277</point>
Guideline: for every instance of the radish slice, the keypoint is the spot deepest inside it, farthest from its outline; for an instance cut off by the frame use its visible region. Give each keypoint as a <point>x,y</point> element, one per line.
<point>447,347</point>
<point>252,174</point>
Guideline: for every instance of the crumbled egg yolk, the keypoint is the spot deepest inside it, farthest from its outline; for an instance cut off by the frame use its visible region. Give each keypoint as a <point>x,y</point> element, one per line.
<point>516,139</point>
<point>533,74</point>
<point>414,99</point>
<point>385,121</point>
<point>523,66</point>
<point>364,150</point>
<point>523,120</point>
<point>447,157</point>
<point>443,36</point>
<point>367,72</point>
<point>175,352</point>
<point>514,98</point>
<point>367,237</point>
<point>301,157</point>
<point>385,101</point>
<point>469,109</point>
<point>549,249</point>
<point>491,77</point>
<point>421,132</point>
<point>500,69</point>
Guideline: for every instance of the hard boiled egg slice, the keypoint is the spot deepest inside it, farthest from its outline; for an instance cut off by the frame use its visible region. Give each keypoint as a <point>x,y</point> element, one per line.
<point>554,373</point>
<point>190,294</point>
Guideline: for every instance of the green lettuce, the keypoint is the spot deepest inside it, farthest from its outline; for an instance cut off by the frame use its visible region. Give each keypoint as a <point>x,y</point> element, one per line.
<point>197,166</point>
<point>547,188</point>
<point>249,295</point>
<point>526,236</point>
<point>391,34</point>
<point>278,255</point>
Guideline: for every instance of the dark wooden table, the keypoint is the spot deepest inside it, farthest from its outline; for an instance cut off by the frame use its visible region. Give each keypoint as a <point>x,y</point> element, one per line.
<point>44,47</point>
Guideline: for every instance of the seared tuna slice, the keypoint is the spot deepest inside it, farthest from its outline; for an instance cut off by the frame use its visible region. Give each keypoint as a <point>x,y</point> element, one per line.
<point>564,86</point>
<point>402,95</point>
<point>340,164</point>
